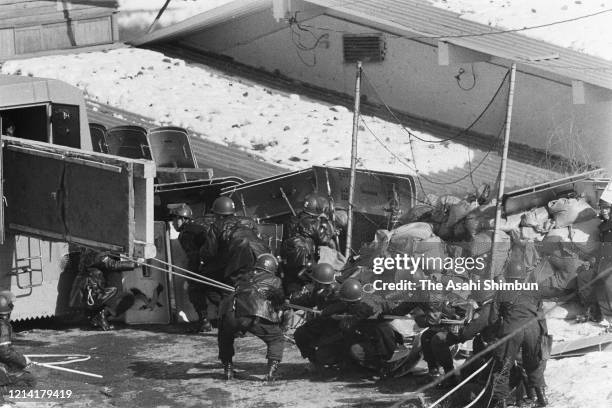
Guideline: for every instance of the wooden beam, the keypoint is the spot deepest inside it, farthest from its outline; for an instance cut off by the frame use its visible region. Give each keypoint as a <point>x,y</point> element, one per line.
<point>453,54</point>
<point>583,93</point>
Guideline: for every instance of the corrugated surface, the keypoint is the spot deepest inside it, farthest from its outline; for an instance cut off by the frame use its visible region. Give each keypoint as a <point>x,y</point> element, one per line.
<point>417,18</point>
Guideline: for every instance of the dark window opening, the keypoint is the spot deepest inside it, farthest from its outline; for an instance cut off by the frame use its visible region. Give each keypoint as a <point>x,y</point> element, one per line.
<point>26,122</point>
<point>365,48</point>
<point>66,125</point>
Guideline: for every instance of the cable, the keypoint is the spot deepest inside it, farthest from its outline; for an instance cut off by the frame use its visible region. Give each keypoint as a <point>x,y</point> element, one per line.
<point>463,131</point>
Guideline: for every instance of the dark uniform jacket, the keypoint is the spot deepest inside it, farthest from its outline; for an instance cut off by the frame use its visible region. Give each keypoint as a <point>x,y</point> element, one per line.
<point>432,307</point>
<point>11,358</point>
<point>515,308</point>
<point>192,237</point>
<point>310,297</point>
<point>259,294</point>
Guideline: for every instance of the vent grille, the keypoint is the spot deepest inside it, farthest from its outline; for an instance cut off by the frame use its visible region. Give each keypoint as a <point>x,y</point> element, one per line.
<point>365,48</point>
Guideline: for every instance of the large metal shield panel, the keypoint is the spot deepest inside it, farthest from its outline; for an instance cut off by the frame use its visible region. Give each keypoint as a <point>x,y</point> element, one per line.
<point>374,190</point>
<point>150,286</point>
<point>198,194</point>
<point>171,148</point>
<point>263,198</point>
<point>66,197</point>
<point>540,194</point>
<point>128,141</point>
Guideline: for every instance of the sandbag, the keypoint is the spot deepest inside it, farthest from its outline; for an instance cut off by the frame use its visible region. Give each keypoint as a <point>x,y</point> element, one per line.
<point>582,236</point>
<point>417,239</point>
<point>567,211</point>
<point>534,218</point>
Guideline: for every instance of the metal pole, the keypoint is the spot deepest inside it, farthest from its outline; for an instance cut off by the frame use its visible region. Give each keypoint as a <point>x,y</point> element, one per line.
<point>502,171</point>
<point>349,224</point>
<point>161,11</point>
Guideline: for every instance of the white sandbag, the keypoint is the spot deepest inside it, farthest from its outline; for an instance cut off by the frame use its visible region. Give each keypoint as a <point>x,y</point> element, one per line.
<point>417,239</point>
<point>332,257</point>
<point>567,211</point>
<point>584,235</point>
<point>534,218</point>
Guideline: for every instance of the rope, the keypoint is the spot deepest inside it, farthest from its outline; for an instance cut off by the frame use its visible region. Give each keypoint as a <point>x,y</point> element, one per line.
<point>77,358</point>
<point>193,274</point>
<point>484,389</point>
<point>53,367</point>
<point>208,281</point>
<point>442,398</point>
<point>54,364</point>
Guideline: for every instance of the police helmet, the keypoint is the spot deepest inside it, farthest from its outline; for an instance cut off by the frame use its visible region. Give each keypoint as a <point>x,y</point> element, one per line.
<point>6,302</point>
<point>224,206</point>
<point>323,273</point>
<point>315,204</point>
<point>181,210</point>
<point>351,290</point>
<point>267,262</point>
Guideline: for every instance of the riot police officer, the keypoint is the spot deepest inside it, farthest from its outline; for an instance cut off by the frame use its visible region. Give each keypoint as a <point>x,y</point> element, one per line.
<point>255,308</point>
<point>192,237</point>
<point>522,318</point>
<point>90,290</point>
<point>307,232</point>
<point>13,364</point>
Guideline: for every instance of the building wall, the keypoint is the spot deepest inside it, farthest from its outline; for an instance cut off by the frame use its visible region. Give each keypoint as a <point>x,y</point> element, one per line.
<point>410,80</point>
<point>29,26</point>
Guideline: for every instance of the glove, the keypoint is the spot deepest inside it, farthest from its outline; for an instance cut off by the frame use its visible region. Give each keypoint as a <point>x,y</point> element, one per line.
<point>28,362</point>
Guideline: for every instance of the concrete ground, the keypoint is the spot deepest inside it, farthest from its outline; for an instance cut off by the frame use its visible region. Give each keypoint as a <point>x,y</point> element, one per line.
<point>164,366</point>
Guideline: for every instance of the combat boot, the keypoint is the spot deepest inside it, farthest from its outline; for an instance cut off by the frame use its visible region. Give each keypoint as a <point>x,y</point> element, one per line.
<point>228,370</point>
<point>99,320</point>
<point>272,368</point>
<point>541,401</point>
<point>499,403</point>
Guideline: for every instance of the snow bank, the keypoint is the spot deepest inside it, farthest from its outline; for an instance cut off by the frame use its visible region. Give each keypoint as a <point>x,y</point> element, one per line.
<point>285,129</point>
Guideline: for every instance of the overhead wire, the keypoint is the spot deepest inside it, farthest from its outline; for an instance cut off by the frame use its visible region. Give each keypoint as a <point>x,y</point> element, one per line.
<point>411,134</point>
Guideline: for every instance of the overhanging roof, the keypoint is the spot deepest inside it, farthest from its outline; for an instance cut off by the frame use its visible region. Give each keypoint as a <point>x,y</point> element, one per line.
<point>418,20</point>
<point>222,14</point>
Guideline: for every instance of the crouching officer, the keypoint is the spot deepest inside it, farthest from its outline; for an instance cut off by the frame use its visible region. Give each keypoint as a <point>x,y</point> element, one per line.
<point>254,307</point>
<point>367,340</point>
<point>90,291</point>
<point>319,294</point>
<point>13,364</point>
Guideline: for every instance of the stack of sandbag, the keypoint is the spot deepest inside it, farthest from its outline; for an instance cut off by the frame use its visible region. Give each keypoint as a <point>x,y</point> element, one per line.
<point>417,239</point>
<point>575,227</point>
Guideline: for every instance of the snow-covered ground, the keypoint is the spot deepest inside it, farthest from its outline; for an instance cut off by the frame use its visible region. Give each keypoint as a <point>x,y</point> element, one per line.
<point>286,129</point>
